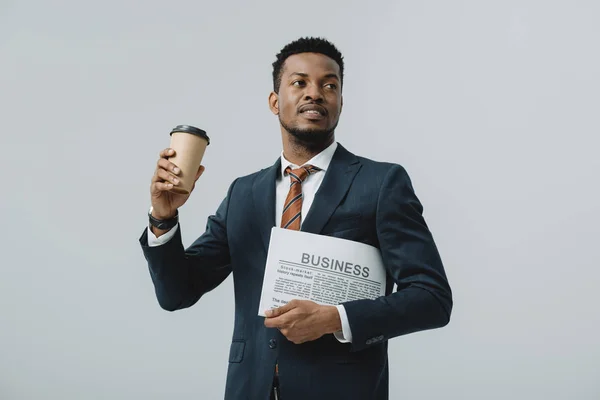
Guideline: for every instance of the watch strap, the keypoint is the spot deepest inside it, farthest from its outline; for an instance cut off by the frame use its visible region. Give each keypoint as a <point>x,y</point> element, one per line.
<point>163,224</point>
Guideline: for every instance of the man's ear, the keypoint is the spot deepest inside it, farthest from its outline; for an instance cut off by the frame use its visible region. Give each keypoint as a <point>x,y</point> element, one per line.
<point>274,103</point>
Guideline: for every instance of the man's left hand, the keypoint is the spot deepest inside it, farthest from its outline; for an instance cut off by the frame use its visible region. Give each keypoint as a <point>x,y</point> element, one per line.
<point>303,320</point>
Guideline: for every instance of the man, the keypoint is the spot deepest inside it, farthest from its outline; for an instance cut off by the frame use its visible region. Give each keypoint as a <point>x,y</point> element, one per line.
<point>303,349</point>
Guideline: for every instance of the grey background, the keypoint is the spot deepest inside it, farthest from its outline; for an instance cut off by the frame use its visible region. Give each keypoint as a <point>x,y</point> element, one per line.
<point>491,106</point>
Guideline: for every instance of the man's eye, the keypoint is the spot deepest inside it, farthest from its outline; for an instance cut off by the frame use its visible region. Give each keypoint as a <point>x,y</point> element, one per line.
<point>298,83</point>
<point>331,85</point>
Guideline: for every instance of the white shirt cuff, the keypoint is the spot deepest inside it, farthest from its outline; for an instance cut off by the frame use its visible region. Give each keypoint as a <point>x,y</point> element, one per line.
<point>157,241</point>
<point>345,336</point>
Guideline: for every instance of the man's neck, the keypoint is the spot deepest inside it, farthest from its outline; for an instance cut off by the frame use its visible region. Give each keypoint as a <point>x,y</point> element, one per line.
<point>299,153</point>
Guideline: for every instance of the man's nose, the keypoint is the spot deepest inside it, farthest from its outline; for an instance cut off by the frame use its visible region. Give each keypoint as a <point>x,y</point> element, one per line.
<point>314,93</point>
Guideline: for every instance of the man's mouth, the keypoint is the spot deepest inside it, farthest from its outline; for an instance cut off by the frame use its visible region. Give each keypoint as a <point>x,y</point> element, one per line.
<point>313,111</point>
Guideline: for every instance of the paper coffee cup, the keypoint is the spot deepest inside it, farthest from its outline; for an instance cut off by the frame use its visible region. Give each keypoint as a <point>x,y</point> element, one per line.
<point>189,144</point>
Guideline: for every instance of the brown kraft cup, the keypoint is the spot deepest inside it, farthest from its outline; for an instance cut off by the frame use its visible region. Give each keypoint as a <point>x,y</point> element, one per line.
<point>189,144</point>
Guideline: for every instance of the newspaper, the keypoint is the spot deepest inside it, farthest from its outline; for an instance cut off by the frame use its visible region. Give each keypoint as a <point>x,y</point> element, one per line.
<point>324,269</point>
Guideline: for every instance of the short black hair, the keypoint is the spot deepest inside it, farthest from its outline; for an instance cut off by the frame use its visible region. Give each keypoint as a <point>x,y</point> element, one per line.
<point>306,45</point>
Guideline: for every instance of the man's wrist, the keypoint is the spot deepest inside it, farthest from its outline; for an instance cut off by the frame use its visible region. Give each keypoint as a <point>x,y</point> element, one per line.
<point>162,217</point>
<point>160,225</point>
<point>333,322</point>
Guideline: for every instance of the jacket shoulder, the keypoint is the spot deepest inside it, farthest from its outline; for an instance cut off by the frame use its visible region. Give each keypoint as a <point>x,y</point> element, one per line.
<point>248,181</point>
<point>378,167</point>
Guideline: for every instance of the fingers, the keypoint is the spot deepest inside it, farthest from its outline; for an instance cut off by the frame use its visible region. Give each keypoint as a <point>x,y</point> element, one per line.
<point>163,180</point>
<point>166,174</point>
<point>168,152</point>
<point>275,323</point>
<point>164,177</point>
<point>167,166</point>
<point>276,312</point>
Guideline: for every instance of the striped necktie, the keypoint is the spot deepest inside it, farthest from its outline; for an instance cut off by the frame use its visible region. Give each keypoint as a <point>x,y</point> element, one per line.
<point>291,217</point>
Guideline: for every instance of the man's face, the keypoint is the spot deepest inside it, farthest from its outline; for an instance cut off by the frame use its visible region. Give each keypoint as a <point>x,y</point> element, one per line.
<point>309,102</point>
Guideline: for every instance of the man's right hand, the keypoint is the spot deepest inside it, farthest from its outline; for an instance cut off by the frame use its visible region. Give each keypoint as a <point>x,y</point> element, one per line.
<point>165,203</point>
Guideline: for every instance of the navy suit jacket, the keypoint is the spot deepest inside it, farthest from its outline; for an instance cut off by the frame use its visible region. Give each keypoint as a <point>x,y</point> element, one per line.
<point>359,199</point>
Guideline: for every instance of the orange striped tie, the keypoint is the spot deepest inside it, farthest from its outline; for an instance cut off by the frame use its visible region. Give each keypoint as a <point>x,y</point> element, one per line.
<point>291,217</point>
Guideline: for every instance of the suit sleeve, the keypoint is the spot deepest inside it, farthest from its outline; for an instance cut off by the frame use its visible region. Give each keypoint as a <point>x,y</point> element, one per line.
<point>423,299</point>
<point>181,276</point>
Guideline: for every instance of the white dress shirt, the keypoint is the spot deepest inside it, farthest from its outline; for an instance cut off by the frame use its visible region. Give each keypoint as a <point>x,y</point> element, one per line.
<point>309,188</point>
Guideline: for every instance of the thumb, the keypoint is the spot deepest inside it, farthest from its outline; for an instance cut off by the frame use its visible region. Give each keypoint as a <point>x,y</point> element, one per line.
<point>199,173</point>
<point>276,312</point>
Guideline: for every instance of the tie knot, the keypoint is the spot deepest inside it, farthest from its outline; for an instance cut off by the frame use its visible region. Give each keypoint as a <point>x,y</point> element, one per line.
<point>300,174</point>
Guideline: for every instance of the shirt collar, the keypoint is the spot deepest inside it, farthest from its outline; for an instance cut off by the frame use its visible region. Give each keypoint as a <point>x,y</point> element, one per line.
<point>321,160</point>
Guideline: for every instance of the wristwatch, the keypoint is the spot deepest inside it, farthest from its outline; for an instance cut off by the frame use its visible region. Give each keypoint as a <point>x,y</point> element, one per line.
<point>163,224</point>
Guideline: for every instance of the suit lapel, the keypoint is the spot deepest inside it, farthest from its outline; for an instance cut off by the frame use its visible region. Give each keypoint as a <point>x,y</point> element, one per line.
<point>263,196</point>
<point>338,177</point>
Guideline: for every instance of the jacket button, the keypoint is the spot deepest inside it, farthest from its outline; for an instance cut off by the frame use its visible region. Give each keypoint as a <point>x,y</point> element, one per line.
<point>272,343</point>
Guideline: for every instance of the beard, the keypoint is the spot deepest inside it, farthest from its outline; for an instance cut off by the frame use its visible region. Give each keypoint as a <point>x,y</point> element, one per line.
<point>312,137</point>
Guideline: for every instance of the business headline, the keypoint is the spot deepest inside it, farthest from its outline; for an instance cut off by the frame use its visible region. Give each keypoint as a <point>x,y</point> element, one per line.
<point>335,265</point>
